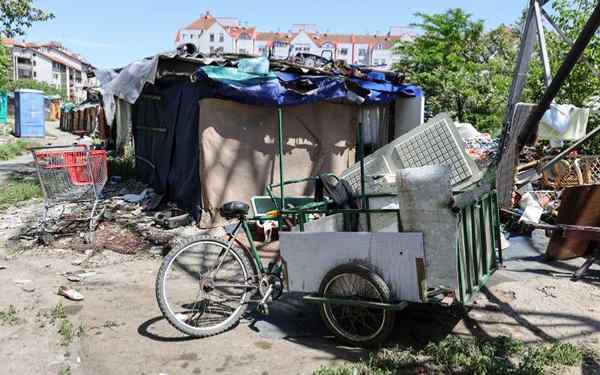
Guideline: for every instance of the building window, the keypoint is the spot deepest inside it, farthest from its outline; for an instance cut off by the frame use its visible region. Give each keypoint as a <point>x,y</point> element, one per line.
<point>212,50</point>
<point>34,74</point>
<point>211,37</point>
<point>362,52</point>
<point>243,51</point>
<point>262,51</point>
<point>278,44</point>
<point>244,36</point>
<point>221,37</point>
<point>343,51</point>
<point>380,46</point>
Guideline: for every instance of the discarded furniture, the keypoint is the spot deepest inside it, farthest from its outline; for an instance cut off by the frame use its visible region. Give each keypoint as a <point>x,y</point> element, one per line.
<point>435,143</point>
<point>579,206</point>
<point>571,171</point>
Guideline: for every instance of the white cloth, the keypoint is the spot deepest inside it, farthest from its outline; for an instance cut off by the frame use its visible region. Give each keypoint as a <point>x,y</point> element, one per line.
<point>564,122</point>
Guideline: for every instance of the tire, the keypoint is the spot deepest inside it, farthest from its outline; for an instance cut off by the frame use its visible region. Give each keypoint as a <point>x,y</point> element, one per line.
<point>170,288</point>
<point>363,284</point>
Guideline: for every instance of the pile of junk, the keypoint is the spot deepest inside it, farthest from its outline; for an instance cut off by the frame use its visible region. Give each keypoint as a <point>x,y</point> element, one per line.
<point>546,177</point>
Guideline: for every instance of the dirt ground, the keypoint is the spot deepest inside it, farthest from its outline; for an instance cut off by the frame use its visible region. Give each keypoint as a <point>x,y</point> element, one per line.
<point>118,328</point>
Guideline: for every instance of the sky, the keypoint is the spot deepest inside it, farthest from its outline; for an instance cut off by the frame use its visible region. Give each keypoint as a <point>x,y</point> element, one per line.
<point>111,33</point>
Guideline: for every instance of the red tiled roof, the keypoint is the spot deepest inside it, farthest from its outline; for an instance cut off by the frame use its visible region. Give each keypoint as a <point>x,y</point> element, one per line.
<point>202,23</point>
<point>270,36</point>
<point>236,31</point>
<point>7,42</point>
<point>207,20</point>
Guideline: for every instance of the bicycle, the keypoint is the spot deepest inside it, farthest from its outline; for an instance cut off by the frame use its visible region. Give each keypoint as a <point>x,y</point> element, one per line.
<point>226,279</point>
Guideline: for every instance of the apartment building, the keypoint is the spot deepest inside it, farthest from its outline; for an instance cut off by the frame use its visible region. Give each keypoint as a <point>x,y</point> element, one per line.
<point>227,35</point>
<point>53,64</point>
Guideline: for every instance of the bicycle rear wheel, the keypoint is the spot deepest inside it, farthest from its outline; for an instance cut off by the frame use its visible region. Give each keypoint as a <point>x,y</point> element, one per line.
<point>202,288</point>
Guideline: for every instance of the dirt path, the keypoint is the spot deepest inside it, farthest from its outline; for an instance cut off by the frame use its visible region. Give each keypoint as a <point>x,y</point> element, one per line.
<point>125,334</point>
<point>24,163</point>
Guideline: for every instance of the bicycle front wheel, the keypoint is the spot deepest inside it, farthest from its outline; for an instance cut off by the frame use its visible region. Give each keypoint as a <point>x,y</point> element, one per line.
<point>203,287</point>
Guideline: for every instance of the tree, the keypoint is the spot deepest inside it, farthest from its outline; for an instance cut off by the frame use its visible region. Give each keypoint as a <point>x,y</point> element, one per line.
<point>462,69</point>
<point>4,67</point>
<point>18,15</point>
<point>47,88</point>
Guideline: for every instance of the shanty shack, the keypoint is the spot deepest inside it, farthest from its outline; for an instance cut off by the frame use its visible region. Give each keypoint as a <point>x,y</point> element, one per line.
<point>205,129</point>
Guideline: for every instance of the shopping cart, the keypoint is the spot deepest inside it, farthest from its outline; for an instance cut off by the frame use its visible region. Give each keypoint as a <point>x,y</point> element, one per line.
<point>70,175</point>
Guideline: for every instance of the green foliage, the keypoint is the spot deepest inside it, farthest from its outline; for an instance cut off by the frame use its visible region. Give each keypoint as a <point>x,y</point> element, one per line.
<point>13,149</point>
<point>458,355</point>
<point>19,189</point>
<point>467,71</point>
<point>16,16</point>
<point>66,332</point>
<point>47,88</point>
<point>9,316</point>
<point>5,64</point>
<point>462,69</point>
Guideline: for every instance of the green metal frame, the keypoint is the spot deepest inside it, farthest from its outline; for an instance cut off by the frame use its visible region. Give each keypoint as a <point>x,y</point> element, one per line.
<point>476,247</point>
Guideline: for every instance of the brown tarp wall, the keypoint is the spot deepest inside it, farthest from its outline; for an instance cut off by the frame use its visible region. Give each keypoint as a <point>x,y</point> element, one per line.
<point>238,147</point>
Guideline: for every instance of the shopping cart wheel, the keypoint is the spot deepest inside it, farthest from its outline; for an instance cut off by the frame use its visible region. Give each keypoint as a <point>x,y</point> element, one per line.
<point>46,238</point>
<point>89,237</point>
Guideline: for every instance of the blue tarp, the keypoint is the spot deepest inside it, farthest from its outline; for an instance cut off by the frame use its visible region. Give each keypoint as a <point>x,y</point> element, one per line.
<point>280,89</point>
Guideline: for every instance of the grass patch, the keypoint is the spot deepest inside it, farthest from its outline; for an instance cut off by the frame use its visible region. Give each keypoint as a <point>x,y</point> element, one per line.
<point>19,189</point>
<point>66,331</point>
<point>65,328</point>
<point>456,355</point>
<point>9,316</point>
<point>57,313</point>
<point>13,149</point>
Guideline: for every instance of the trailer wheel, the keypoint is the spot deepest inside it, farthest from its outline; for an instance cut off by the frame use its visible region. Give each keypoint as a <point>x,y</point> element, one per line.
<point>357,325</point>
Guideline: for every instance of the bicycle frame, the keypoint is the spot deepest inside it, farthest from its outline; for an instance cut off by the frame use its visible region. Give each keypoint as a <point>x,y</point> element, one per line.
<point>252,251</point>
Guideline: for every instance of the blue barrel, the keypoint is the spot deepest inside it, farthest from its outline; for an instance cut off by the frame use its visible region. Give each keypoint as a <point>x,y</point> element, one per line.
<point>29,114</point>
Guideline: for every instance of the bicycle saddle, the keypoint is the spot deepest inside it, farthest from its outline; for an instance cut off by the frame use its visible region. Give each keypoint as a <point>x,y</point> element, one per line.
<point>234,209</point>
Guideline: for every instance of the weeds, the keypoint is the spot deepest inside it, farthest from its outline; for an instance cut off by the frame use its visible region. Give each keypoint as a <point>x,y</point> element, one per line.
<point>9,317</point>
<point>66,332</point>
<point>65,371</point>
<point>19,189</point>
<point>13,149</point>
<point>65,329</point>
<point>456,355</point>
<point>57,313</point>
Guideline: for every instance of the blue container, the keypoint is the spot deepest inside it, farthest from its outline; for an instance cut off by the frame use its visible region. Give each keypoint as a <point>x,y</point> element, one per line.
<point>29,114</point>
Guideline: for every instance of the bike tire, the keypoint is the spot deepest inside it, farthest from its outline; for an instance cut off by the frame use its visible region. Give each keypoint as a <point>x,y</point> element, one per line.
<point>380,293</point>
<point>161,285</point>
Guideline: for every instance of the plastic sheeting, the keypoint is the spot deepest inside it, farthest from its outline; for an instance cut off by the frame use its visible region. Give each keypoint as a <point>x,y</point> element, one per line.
<point>165,129</point>
<point>126,85</point>
<point>292,89</point>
